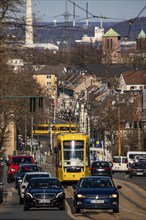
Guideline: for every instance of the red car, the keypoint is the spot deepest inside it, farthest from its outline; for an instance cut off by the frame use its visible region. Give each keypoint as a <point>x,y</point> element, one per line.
<point>13,165</point>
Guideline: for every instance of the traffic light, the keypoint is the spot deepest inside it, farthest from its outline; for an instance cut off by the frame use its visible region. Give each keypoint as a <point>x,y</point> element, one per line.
<point>32,104</point>
<point>40,102</point>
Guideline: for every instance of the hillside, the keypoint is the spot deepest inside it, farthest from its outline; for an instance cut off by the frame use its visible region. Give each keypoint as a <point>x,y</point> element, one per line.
<point>47,32</point>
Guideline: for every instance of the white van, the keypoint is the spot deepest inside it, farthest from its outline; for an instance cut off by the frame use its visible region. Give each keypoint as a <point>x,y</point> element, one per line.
<point>119,164</point>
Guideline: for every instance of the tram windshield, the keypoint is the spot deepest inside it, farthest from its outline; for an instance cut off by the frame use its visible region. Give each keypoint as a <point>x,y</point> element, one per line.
<point>73,153</point>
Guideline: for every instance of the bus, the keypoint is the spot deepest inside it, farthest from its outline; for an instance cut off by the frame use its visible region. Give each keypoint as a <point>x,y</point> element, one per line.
<point>44,129</point>
<point>72,156</point>
<point>134,156</point>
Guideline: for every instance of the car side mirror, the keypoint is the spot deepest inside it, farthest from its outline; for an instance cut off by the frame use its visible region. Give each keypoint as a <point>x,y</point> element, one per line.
<point>119,187</point>
<point>74,186</point>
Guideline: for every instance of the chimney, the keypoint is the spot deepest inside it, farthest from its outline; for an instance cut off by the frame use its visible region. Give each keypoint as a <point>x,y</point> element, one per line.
<point>29,23</point>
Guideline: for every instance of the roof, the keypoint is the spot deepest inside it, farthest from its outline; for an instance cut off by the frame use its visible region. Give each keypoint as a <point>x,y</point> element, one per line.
<point>141,34</point>
<point>134,77</point>
<point>111,33</point>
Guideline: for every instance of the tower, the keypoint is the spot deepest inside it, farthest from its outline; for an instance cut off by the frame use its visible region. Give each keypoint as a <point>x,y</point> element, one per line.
<point>111,49</point>
<point>29,23</point>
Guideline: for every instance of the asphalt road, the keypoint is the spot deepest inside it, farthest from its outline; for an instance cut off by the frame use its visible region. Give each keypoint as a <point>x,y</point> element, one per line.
<point>132,204</point>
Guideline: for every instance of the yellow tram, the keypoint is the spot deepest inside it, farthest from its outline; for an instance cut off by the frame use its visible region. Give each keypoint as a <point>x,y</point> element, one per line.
<point>72,156</point>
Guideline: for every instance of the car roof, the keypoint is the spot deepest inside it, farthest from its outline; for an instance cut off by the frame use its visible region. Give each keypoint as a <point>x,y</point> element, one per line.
<point>31,173</point>
<point>27,164</point>
<point>97,177</point>
<point>39,178</point>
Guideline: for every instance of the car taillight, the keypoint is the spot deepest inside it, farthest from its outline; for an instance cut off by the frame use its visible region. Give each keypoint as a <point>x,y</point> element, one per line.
<point>92,168</point>
<point>131,170</point>
<point>108,168</point>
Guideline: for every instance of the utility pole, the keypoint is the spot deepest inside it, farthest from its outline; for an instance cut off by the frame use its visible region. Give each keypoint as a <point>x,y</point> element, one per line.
<point>138,126</point>
<point>31,146</point>
<point>51,138</point>
<point>119,133</point>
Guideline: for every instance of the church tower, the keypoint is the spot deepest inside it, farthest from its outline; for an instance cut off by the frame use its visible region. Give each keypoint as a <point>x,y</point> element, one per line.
<point>111,50</point>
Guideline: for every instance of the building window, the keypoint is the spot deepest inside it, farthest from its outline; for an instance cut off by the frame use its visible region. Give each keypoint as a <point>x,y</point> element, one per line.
<point>133,87</point>
<point>48,76</point>
<point>109,43</point>
<point>48,83</point>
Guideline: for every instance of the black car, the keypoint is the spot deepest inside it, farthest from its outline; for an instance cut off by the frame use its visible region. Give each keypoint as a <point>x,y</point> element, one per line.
<point>96,192</point>
<point>44,192</point>
<point>101,168</point>
<point>1,193</point>
<point>22,169</point>
<point>137,169</point>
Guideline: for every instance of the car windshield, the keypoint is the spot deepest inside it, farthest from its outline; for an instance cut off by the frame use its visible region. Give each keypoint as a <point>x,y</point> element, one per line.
<point>46,183</point>
<point>96,183</point>
<point>28,177</point>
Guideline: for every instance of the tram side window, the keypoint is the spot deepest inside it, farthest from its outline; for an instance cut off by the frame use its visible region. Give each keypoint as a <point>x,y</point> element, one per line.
<point>59,155</point>
<point>87,154</point>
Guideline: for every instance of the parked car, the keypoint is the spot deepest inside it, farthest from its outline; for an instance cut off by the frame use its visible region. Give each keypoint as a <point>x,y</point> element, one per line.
<point>101,168</point>
<point>96,192</point>
<point>24,182</point>
<point>13,165</point>
<point>44,192</point>
<point>1,193</point>
<point>137,169</point>
<point>22,169</point>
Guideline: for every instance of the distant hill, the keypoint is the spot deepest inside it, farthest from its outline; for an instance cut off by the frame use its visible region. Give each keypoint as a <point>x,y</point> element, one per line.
<point>47,32</point>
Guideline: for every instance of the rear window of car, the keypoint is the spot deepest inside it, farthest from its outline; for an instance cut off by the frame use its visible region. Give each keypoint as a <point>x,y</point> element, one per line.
<point>116,160</point>
<point>19,160</point>
<point>29,168</point>
<point>100,165</point>
<point>139,165</point>
<point>124,159</point>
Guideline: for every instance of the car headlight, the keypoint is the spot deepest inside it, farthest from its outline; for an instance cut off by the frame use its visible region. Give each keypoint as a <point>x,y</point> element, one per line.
<point>28,195</point>
<point>59,194</point>
<point>113,196</point>
<point>80,196</point>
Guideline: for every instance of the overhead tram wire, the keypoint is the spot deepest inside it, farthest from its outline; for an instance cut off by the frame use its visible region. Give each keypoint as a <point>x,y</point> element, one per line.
<point>131,21</point>
<point>92,15</point>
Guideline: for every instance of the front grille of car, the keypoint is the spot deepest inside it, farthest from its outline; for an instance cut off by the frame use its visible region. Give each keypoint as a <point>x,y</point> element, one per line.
<point>104,196</point>
<point>44,196</point>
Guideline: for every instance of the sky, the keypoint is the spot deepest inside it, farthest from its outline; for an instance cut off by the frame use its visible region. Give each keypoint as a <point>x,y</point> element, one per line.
<point>113,10</point>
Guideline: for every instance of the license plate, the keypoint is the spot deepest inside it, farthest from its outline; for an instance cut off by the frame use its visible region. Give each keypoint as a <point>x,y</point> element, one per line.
<point>44,201</point>
<point>97,201</point>
<point>139,173</point>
